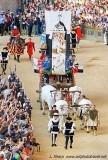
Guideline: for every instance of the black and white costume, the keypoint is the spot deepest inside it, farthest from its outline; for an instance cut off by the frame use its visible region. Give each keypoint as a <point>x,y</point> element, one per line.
<point>73,39</point>
<point>54,126</point>
<point>69,128</point>
<point>4,56</point>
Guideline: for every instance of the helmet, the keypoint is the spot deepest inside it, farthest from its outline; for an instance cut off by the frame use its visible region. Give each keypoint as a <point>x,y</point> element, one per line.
<point>15,27</point>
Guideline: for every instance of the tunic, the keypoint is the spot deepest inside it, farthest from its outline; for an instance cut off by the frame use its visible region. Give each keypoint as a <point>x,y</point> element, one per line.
<point>73,38</point>
<point>4,55</point>
<point>93,118</point>
<point>30,47</point>
<point>69,127</point>
<point>54,126</point>
<point>15,32</point>
<point>79,33</point>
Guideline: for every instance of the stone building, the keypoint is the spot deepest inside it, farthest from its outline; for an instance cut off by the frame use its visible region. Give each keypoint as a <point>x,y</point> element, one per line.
<point>9,5</point>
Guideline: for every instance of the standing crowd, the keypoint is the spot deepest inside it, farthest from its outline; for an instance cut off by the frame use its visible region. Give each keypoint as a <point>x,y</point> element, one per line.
<point>33,15</point>
<point>16,130</point>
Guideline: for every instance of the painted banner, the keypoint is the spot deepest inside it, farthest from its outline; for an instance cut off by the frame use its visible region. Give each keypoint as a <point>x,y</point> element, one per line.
<point>53,17</point>
<point>58,53</point>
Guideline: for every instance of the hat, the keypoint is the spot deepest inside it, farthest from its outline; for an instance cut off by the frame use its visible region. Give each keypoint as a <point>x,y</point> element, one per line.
<point>5,48</point>
<point>73,55</point>
<point>55,114</point>
<point>54,106</point>
<point>15,27</point>
<point>69,118</point>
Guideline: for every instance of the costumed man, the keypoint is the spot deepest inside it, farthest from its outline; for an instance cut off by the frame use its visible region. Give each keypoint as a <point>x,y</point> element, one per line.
<point>93,119</point>
<point>20,96</point>
<point>68,131</point>
<point>30,47</point>
<point>14,33</point>
<point>19,47</point>
<point>69,65</point>
<point>46,68</point>
<point>51,112</point>
<point>4,57</point>
<point>79,34</point>
<point>73,39</point>
<point>54,126</point>
<point>106,33</point>
<point>42,57</point>
<point>11,78</point>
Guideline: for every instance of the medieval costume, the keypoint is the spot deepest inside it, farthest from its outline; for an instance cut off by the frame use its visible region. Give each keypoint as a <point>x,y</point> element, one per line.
<point>4,56</point>
<point>30,47</point>
<point>93,120</point>
<point>73,38</point>
<point>54,126</point>
<point>79,34</point>
<point>69,128</point>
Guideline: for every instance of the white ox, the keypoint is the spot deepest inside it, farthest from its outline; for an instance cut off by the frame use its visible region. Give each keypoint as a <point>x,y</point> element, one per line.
<point>51,97</point>
<point>83,112</point>
<point>75,93</point>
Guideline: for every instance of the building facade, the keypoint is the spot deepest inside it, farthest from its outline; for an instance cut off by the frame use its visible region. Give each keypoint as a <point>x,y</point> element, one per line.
<point>9,5</point>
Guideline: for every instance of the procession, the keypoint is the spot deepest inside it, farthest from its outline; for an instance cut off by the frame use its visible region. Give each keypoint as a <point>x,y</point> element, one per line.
<point>53,81</point>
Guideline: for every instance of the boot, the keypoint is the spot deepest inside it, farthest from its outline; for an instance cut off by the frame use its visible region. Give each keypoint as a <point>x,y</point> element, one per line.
<point>14,57</point>
<point>70,146</point>
<point>30,58</point>
<point>52,145</point>
<point>18,59</point>
<point>65,147</point>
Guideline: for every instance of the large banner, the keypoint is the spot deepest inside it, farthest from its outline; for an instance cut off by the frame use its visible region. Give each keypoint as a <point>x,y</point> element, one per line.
<point>53,17</point>
<point>58,53</point>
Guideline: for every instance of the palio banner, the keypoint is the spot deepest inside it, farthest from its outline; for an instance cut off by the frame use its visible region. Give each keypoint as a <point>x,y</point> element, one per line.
<point>58,53</point>
<point>53,17</point>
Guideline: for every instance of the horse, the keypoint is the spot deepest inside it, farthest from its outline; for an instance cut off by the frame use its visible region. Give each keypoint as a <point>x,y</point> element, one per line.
<point>18,48</point>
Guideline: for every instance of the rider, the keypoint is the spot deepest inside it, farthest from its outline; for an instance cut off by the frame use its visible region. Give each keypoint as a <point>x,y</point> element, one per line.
<point>14,33</point>
<point>46,67</point>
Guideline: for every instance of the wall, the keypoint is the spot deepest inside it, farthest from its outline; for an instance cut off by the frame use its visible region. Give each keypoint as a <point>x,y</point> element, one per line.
<point>93,33</point>
<point>9,5</point>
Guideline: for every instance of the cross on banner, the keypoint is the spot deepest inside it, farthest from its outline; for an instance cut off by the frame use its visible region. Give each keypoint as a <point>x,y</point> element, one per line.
<point>60,15</point>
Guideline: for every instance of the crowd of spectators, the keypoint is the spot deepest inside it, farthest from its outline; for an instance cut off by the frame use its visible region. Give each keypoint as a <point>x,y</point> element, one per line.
<point>16,130</point>
<point>32,15</point>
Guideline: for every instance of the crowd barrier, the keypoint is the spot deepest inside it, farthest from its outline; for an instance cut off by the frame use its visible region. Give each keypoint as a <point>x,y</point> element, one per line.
<point>93,33</point>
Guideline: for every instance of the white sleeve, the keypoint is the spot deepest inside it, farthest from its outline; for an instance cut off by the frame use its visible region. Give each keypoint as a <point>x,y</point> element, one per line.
<point>50,125</point>
<point>7,57</point>
<point>60,125</point>
<point>9,77</point>
<point>18,94</point>
<point>73,128</point>
<point>64,128</point>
